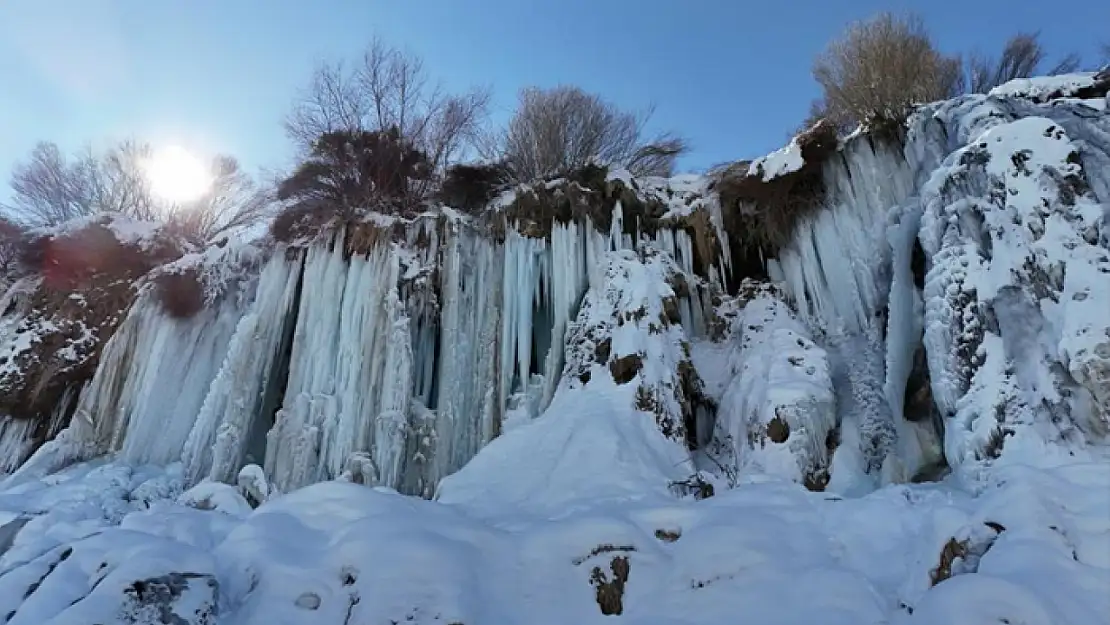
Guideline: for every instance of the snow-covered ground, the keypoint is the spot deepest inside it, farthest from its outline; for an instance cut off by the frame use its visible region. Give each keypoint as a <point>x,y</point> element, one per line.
<point>107,543</point>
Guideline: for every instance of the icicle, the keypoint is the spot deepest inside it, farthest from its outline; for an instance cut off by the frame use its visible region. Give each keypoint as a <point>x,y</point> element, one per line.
<point>15,443</point>
<point>227,425</point>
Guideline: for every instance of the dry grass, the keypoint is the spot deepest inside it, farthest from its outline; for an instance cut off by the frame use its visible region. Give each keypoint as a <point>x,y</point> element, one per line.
<point>470,188</point>
<point>761,214</point>
<point>180,294</point>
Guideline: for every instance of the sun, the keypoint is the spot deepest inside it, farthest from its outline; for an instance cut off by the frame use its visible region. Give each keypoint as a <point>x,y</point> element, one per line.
<point>177,176</point>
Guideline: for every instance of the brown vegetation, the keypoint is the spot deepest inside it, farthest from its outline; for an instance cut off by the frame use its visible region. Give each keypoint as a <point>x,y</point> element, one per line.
<point>761,214</point>
<point>626,368</point>
<point>389,89</point>
<point>668,536</point>
<point>880,68</point>
<point>610,592</point>
<point>955,550</point>
<point>356,170</point>
<point>471,187</point>
<point>181,294</point>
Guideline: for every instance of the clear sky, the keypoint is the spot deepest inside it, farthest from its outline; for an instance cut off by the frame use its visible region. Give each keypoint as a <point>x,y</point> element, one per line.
<point>218,75</point>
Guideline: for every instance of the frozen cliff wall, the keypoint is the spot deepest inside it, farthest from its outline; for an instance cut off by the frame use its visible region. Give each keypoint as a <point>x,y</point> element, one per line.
<point>936,303</point>
<point>622,418</point>
<point>1018,287</point>
<point>953,270</point>
<point>382,350</point>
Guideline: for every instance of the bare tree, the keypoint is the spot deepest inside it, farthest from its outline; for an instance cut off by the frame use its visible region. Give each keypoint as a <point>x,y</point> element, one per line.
<point>1105,48</point>
<point>121,182</point>
<point>554,131</point>
<point>880,68</point>
<point>50,188</point>
<point>234,200</point>
<point>10,237</point>
<point>388,89</point>
<point>1023,56</point>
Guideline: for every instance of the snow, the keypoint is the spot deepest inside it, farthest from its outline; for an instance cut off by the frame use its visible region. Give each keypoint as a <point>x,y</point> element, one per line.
<point>1016,348</point>
<point>127,231</point>
<point>785,160</point>
<point>779,387</point>
<point>1043,87</point>
<point>338,553</point>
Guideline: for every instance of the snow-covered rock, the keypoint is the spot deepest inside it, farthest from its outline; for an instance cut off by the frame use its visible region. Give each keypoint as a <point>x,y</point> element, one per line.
<point>777,416</point>
<point>1016,330</point>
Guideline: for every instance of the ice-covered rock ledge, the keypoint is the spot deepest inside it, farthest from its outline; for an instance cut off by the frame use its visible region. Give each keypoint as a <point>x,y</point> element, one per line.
<point>1016,330</point>
<point>776,409</point>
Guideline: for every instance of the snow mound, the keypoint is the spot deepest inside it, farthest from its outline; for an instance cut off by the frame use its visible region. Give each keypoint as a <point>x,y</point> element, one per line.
<point>618,424</point>
<point>145,235</point>
<point>1044,88</point>
<point>785,160</point>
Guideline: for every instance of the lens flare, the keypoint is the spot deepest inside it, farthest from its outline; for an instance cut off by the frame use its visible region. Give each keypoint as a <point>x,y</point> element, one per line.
<point>177,176</point>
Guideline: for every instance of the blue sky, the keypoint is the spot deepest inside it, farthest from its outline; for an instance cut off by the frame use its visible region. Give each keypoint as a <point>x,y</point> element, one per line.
<point>218,75</point>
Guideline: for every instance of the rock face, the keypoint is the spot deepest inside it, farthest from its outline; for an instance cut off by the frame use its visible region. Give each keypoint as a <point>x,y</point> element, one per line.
<point>77,282</point>
<point>173,599</point>
<point>628,333</point>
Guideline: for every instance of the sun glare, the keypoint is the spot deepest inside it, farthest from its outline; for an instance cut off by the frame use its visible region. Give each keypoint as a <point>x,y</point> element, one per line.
<point>176,175</point>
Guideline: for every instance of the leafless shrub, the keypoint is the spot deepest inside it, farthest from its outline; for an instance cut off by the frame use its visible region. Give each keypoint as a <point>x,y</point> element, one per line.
<point>558,130</point>
<point>48,188</point>
<point>180,294</point>
<point>349,171</point>
<point>11,238</point>
<point>388,89</point>
<point>880,68</point>
<point>233,200</point>
<point>1023,56</point>
<point>470,187</point>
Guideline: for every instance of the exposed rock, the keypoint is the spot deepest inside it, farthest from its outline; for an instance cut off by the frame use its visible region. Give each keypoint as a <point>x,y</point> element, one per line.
<point>55,322</point>
<point>173,599</point>
<point>610,590</point>
<point>962,556</point>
